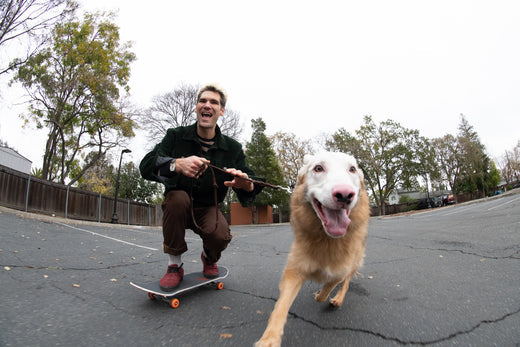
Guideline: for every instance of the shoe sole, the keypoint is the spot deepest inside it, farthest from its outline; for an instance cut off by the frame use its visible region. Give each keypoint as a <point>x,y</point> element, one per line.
<point>211,276</point>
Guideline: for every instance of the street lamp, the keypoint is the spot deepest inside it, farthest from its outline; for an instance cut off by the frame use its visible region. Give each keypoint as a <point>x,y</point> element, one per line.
<point>114,216</point>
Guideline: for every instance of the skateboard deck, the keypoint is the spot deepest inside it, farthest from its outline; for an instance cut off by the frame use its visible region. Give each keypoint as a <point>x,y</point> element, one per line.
<point>190,281</point>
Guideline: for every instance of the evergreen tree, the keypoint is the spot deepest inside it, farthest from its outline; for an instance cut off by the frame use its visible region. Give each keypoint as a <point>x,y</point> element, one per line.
<point>478,171</point>
<point>262,159</point>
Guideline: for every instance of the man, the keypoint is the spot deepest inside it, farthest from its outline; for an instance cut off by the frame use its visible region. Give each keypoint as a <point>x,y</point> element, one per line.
<point>192,191</point>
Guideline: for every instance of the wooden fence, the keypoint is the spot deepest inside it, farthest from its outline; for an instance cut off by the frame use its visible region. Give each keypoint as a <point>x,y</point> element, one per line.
<point>31,194</point>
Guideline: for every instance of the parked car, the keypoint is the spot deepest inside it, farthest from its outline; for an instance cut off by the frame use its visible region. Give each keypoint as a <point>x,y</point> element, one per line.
<point>424,203</point>
<point>437,201</point>
<point>448,199</point>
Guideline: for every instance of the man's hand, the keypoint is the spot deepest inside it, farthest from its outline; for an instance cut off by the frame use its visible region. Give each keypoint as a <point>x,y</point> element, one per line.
<point>238,181</point>
<point>191,166</point>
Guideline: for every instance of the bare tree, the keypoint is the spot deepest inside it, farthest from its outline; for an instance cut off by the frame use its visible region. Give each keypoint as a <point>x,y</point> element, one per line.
<point>230,124</point>
<point>31,20</point>
<point>290,151</point>
<point>172,109</point>
<point>177,108</point>
<point>509,164</point>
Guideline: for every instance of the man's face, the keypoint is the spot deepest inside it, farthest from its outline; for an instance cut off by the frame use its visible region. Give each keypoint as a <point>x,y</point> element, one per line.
<point>208,109</point>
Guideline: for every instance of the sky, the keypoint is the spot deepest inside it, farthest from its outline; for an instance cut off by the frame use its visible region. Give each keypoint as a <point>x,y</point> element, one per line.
<point>312,67</point>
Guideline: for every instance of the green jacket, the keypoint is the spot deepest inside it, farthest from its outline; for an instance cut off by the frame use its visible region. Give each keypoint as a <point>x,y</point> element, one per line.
<point>182,142</point>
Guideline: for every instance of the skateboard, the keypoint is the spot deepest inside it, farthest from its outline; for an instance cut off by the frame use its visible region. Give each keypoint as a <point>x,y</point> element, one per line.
<point>189,281</point>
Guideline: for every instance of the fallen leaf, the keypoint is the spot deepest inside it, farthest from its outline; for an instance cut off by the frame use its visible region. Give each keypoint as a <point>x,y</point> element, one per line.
<point>225,308</point>
<point>113,280</point>
<point>7,268</point>
<point>259,312</point>
<point>45,276</point>
<point>225,336</point>
<point>76,285</point>
<point>370,277</point>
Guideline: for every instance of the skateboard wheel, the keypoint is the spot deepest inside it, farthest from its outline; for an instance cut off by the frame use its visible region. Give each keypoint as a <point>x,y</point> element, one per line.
<point>175,303</point>
<point>220,285</point>
<point>151,296</point>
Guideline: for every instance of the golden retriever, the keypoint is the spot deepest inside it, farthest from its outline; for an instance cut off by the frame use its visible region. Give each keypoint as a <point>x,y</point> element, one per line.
<point>329,217</point>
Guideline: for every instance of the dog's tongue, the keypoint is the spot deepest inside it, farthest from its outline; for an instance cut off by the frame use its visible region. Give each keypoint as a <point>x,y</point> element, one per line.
<point>336,221</point>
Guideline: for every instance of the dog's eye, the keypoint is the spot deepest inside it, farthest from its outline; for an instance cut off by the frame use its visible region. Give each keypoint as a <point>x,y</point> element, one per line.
<point>352,169</point>
<point>318,168</point>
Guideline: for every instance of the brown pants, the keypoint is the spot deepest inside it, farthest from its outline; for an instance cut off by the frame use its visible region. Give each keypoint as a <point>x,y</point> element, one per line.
<point>177,218</point>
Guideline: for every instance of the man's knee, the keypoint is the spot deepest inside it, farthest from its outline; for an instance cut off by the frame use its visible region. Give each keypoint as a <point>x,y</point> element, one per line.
<point>176,201</point>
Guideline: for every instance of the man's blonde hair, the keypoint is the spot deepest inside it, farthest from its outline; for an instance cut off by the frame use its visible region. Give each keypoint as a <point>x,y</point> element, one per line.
<point>216,89</point>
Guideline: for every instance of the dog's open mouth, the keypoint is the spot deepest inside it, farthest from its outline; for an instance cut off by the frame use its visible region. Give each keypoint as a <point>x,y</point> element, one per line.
<point>335,221</point>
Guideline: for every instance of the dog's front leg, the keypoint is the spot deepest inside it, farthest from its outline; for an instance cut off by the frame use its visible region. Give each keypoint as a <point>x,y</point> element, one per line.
<point>289,287</point>
<point>337,300</point>
<point>324,292</point>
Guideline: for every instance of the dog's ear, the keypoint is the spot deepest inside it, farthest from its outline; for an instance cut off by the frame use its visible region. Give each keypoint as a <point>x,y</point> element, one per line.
<point>307,160</point>
<point>361,174</point>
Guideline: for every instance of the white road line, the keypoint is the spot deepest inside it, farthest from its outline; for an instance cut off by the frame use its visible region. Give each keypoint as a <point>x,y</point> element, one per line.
<point>505,203</point>
<point>108,237</point>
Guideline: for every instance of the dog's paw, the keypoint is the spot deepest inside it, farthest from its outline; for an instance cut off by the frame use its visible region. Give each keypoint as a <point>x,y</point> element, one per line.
<point>335,302</point>
<point>269,342</point>
<point>319,296</point>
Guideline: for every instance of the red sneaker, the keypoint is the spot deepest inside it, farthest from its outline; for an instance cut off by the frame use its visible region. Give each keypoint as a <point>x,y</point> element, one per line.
<point>210,269</point>
<point>172,278</point>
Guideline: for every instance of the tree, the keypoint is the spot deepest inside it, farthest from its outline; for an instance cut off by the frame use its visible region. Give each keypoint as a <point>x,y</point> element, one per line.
<point>99,178</point>
<point>29,20</point>
<point>177,108</point>
<point>262,159</point>
<point>172,109</point>
<point>134,187</point>
<point>477,169</point>
<point>290,152</point>
<point>509,164</point>
<point>389,155</point>
<point>449,159</point>
<point>74,89</point>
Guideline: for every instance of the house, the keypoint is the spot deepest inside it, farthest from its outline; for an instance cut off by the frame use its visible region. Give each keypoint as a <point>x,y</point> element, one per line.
<point>14,160</point>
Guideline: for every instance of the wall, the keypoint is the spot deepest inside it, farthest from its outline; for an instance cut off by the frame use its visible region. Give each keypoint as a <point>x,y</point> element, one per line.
<point>244,215</point>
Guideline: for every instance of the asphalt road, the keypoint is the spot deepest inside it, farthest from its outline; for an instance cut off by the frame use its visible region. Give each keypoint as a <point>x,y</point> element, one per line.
<point>448,276</point>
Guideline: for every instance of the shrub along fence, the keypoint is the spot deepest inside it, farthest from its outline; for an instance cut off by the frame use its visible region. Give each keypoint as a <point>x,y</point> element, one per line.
<point>31,194</point>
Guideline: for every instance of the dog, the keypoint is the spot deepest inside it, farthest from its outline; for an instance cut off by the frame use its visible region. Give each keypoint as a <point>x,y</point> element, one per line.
<point>329,216</point>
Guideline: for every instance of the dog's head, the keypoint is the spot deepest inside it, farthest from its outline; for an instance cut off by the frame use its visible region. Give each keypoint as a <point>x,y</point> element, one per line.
<point>332,186</point>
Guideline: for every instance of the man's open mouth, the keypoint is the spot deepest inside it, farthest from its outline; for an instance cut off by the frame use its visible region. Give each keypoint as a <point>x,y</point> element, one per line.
<point>206,115</point>
<point>335,221</point>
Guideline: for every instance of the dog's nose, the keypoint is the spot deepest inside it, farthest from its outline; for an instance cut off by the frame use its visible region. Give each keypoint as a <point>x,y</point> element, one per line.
<point>343,194</point>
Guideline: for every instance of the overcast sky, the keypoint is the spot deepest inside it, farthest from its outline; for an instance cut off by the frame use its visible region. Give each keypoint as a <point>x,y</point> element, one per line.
<point>311,67</point>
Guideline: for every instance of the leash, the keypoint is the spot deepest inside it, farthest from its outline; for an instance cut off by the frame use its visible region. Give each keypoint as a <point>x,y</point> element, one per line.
<point>260,183</point>
<point>215,187</point>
